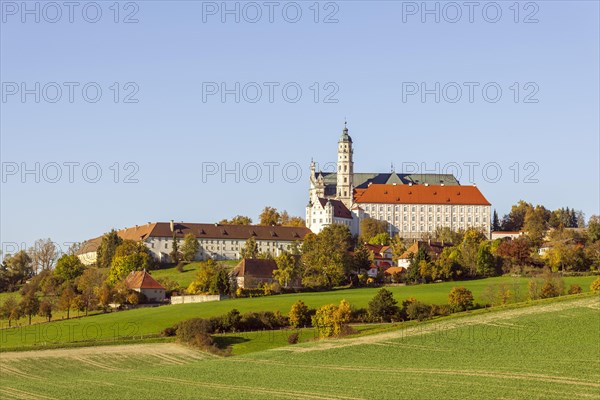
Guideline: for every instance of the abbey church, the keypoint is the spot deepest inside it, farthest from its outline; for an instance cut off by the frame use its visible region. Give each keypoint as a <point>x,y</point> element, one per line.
<point>412,204</point>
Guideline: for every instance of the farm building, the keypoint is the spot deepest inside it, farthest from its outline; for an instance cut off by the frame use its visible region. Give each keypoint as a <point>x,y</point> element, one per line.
<point>143,283</point>
<point>250,273</point>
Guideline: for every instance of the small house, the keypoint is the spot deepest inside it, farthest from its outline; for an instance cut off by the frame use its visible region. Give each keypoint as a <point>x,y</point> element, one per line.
<point>250,272</point>
<point>142,282</point>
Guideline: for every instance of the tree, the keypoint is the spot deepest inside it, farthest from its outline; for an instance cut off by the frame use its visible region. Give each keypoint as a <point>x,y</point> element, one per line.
<point>19,267</point>
<point>447,266</point>
<point>69,267</point>
<point>595,286</point>
<point>10,309</point>
<point>362,259</point>
<point>30,304</point>
<point>250,249</point>
<point>299,315</point>
<point>105,295</point>
<point>88,284</point>
<point>46,308</point>
<point>414,268</point>
<point>107,248</point>
<point>370,227</point>
<point>593,229</point>
<point>383,306</point>
<point>486,262</point>
<point>495,222</point>
<point>237,220</point>
<point>536,223</point>
<point>446,235</point>
<point>43,254</point>
<point>287,269</point>
<point>211,278</point>
<point>382,239</point>
<point>66,301</point>
<point>296,221</point>
<point>175,254</point>
<point>270,216</point>
<point>514,220</point>
<point>325,258</point>
<point>129,256</point>
<point>190,247</point>
<point>515,252</point>
<point>331,319</point>
<point>460,298</point>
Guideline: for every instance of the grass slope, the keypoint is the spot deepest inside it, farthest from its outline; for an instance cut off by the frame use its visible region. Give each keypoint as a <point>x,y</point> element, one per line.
<point>147,321</point>
<point>547,351</point>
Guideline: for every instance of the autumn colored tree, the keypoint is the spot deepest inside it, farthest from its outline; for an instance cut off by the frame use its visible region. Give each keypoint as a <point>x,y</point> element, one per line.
<point>370,227</point>
<point>10,309</point>
<point>287,269</point>
<point>330,319</point>
<point>270,216</point>
<point>30,304</point>
<point>460,298</point>
<point>299,315</point>
<point>66,301</point>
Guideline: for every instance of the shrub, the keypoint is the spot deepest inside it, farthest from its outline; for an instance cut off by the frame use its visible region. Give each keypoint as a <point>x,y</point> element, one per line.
<point>575,289</point>
<point>549,289</point>
<point>383,306</point>
<point>595,286</point>
<point>441,310</point>
<point>187,330</point>
<point>293,338</point>
<point>330,319</point>
<point>418,310</point>
<point>460,298</point>
<point>133,298</point>
<point>299,315</point>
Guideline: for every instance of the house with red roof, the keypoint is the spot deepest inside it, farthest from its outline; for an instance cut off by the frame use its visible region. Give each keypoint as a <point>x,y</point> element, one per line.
<point>142,282</point>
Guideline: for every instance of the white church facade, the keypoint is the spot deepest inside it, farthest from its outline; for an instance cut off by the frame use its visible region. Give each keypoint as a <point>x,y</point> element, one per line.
<point>412,204</point>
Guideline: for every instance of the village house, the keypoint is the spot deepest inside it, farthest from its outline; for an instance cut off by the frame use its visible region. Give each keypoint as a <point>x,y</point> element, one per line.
<point>434,249</point>
<point>251,273</point>
<point>143,283</point>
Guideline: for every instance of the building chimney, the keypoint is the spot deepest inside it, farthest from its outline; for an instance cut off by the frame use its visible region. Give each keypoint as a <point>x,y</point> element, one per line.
<point>172,224</point>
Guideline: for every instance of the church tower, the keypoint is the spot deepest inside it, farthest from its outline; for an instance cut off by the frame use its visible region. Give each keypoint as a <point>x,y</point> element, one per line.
<point>345,169</point>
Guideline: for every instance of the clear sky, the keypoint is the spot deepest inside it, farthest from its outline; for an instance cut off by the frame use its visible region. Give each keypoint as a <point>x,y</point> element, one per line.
<point>172,133</point>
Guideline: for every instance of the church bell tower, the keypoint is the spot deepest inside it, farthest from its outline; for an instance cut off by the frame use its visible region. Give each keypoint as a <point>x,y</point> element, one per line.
<point>345,169</point>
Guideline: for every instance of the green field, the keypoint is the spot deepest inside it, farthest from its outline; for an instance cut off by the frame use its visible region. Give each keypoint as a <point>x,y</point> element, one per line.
<point>545,351</point>
<point>148,321</point>
<point>189,273</point>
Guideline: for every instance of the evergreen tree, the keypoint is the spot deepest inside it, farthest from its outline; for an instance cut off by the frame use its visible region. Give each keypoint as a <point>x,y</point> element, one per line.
<point>495,222</point>
<point>106,251</point>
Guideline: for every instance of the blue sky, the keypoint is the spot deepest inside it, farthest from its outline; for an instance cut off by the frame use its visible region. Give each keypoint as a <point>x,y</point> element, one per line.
<point>366,67</point>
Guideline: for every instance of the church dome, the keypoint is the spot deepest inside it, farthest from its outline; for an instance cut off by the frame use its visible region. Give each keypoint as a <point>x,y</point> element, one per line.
<point>345,137</point>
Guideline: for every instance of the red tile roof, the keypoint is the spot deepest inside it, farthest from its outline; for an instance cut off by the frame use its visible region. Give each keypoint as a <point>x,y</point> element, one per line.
<point>421,194</point>
<point>142,280</point>
<point>394,270</point>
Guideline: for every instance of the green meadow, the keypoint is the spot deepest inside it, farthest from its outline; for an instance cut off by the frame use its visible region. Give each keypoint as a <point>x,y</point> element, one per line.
<point>150,321</point>
<point>548,350</point>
